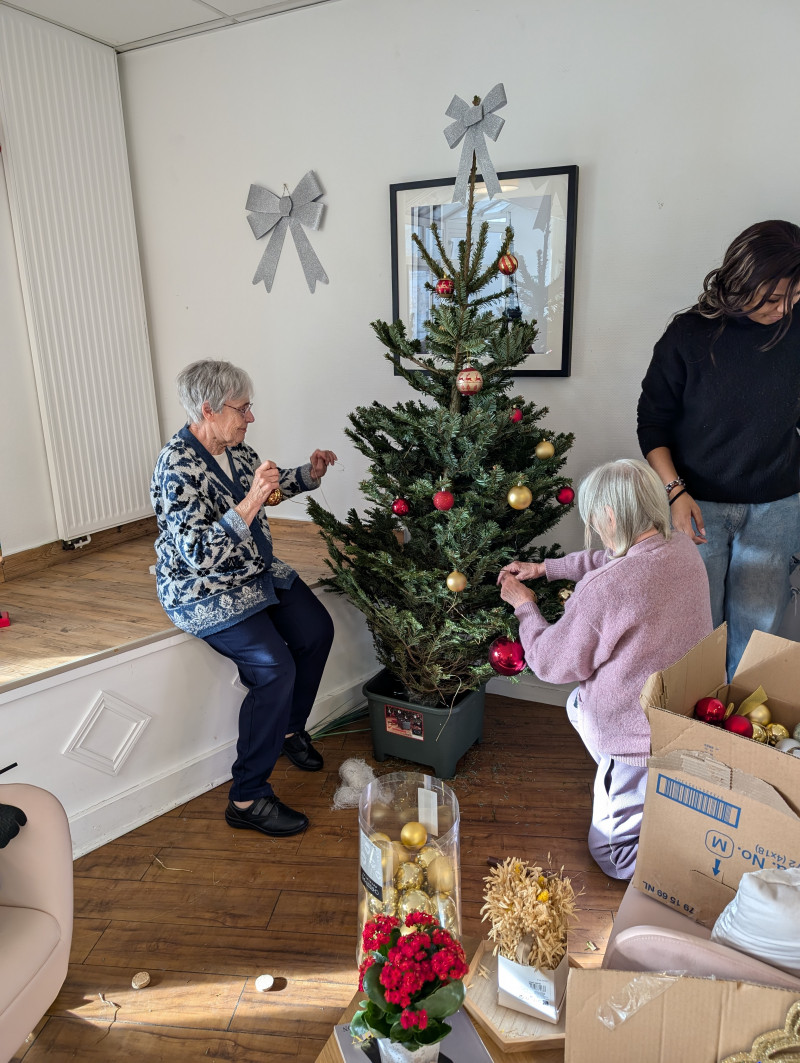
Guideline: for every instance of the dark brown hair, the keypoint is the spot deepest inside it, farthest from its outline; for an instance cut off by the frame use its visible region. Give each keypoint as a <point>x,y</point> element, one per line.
<point>754,264</point>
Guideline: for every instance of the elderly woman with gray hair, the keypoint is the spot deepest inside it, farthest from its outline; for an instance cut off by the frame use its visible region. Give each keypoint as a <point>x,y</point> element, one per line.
<point>638,606</point>
<point>218,579</point>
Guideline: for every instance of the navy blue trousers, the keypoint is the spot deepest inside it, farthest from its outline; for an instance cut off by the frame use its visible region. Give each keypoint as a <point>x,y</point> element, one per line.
<point>280,653</point>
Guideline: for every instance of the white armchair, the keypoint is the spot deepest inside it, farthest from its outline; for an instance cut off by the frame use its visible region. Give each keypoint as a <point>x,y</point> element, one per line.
<point>35,913</point>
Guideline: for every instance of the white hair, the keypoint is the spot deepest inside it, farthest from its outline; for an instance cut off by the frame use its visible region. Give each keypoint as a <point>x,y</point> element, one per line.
<point>212,382</point>
<point>620,501</point>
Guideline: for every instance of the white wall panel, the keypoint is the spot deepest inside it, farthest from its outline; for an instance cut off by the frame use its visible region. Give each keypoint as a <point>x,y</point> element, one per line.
<point>69,190</point>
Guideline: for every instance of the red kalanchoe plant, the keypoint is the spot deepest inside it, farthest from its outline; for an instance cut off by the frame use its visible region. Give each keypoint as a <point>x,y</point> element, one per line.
<point>413,980</point>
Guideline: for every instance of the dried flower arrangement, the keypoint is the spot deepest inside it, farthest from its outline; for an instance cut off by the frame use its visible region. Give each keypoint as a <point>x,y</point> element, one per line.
<point>530,911</point>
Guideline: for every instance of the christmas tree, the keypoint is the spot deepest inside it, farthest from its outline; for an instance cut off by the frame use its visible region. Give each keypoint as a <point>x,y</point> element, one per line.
<point>460,482</point>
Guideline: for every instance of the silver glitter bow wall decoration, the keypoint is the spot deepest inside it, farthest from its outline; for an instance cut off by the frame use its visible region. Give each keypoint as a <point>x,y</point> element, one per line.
<point>276,214</point>
<point>472,124</point>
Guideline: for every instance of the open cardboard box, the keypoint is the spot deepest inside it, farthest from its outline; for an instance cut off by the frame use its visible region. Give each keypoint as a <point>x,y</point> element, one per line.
<point>717,804</point>
<point>693,1019</point>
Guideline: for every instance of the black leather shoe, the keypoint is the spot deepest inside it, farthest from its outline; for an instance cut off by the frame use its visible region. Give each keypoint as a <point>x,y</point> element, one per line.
<point>301,753</point>
<point>268,815</point>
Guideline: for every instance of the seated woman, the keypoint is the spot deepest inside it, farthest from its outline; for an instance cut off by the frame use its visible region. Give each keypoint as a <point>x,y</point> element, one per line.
<point>638,606</point>
<point>218,579</point>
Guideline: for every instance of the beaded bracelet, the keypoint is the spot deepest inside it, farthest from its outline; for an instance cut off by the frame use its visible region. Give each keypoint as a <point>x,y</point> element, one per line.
<point>679,482</point>
<point>681,492</point>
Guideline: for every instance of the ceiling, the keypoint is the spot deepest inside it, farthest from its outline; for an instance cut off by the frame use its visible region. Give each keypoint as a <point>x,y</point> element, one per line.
<point>127,24</point>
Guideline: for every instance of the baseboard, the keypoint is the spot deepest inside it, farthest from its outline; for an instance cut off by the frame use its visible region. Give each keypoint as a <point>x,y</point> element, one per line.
<point>108,820</point>
<point>531,688</point>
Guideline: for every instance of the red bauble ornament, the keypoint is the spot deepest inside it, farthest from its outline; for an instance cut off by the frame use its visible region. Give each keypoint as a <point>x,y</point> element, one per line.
<point>507,264</point>
<point>506,656</point>
<point>516,415</point>
<point>443,500</point>
<point>565,496</point>
<point>400,507</point>
<point>444,286</point>
<point>739,725</point>
<point>469,381</point>
<point>710,710</point>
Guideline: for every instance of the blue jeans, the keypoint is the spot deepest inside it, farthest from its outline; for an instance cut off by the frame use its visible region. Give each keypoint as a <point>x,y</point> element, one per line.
<point>748,557</point>
<point>280,653</point>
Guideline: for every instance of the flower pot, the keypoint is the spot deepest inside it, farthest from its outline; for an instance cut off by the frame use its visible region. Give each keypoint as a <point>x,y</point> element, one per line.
<point>400,873</point>
<point>423,734</point>
<point>394,1052</point>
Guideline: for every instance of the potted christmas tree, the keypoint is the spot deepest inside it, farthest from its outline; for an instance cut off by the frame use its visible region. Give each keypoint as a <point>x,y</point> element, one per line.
<point>461,481</point>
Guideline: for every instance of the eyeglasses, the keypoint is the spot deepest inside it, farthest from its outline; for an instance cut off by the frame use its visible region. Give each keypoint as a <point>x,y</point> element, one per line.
<point>243,410</point>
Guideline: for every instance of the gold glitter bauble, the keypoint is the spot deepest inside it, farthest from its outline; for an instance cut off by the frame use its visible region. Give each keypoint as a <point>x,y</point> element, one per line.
<point>760,714</point>
<point>440,875</point>
<point>427,855</point>
<point>275,497</point>
<point>413,901</point>
<point>456,581</point>
<point>776,732</point>
<point>759,733</point>
<point>408,877</point>
<point>519,497</point>
<point>413,835</point>
<point>544,450</point>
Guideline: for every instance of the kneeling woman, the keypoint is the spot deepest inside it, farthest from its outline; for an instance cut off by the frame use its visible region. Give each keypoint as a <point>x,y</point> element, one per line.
<point>638,606</point>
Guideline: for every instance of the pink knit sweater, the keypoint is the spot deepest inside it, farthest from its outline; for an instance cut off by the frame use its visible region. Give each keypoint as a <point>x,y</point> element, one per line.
<point>628,617</point>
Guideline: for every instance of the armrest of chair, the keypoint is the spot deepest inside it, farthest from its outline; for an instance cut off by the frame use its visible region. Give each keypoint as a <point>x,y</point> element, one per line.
<point>36,866</point>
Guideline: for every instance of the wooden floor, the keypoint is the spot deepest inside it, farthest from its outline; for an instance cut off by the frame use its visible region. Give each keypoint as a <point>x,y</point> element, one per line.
<point>103,601</point>
<point>205,909</point>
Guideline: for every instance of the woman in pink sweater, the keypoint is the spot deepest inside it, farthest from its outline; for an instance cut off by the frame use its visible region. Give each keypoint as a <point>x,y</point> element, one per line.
<point>638,606</point>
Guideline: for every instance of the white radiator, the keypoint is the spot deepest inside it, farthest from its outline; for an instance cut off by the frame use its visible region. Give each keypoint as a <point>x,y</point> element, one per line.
<point>63,146</point>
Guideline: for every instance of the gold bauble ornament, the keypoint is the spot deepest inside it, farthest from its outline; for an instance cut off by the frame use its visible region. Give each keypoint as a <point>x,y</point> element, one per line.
<point>378,837</point>
<point>544,450</point>
<point>408,877</point>
<point>427,855</point>
<point>759,733</point>
<point>456,581</point>
<point>776,732</point>
<point>387,906</point>
<point>275,497</point>
<point>760,714</point>
<point>401,854</point>
<point>520,497</point>
<point>441,878</point>
<point>445,909</point>
<point>413,901</point>
<point>564,594</point>
<point>413,835</point>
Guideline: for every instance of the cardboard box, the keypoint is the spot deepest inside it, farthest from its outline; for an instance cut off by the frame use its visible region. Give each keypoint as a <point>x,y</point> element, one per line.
<point>717,804</point>
<point>531,990</point>
<point>693,1019</point>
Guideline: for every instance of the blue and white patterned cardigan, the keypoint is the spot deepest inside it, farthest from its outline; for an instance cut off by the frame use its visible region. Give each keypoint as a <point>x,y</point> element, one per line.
<point>212,570</point>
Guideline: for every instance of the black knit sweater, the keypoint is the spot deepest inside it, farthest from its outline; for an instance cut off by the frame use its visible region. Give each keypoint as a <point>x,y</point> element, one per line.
<point>730,414</point>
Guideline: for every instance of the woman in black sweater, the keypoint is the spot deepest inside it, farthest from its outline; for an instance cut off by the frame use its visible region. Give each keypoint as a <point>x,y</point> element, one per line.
<point>718,419</point>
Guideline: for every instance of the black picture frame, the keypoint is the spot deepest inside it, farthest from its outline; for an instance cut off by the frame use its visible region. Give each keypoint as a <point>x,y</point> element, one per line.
<point>541,205</point>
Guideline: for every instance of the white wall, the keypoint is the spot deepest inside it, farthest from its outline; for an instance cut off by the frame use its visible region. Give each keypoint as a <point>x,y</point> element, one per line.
<point>680,123</point>
<point>27,516</point>
<point>679,116</point>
